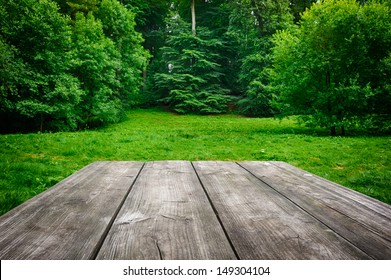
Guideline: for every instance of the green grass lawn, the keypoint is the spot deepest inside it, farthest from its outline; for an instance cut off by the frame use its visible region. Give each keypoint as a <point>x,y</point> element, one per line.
<point>31,163</point>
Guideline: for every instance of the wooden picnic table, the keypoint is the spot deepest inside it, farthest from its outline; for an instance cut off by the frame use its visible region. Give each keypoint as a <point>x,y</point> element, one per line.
<point>196,210</point>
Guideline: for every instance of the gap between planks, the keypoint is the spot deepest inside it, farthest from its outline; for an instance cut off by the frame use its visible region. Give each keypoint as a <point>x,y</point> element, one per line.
<point>355,217</point>
<point>104,236</point>
<point>167,216</point>
<point>216,213</point>
<point>293,202</point>
<point>366,228</point>
<point>262,224</point>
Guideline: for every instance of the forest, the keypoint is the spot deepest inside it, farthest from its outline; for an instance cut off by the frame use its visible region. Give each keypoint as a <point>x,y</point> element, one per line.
<point>69,65</point>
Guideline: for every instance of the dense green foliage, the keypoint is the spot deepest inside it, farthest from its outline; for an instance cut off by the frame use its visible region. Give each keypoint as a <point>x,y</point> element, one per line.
<point>74,64</point>
<point>119,25</point>
<point>261,20</point>
<point>62,74</point>
<point>38,40</point>
<point>192,82</point>
<point>328,61</point>
<point>31,163</point>
<point>334,70</point>
<point>150,21</point>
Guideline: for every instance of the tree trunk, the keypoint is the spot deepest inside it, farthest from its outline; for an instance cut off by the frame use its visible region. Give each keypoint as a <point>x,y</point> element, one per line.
<point>193,17</point>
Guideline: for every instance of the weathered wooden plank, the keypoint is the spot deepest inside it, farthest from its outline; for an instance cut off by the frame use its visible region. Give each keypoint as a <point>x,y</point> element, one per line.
<point>358,199</point>
<point>263,224</point>
<point>364,221</point>
<point>70,220</point>
<point>166,216</point>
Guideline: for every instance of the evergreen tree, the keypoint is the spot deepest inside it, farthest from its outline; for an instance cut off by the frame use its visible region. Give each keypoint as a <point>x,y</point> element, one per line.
<point>191,81</point>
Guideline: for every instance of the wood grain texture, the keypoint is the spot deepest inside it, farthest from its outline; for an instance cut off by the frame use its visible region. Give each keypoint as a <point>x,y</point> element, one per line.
<point>263,224</point>
<point>200,210</point>
<point>69,220</point>
<point>166,216</point>
<point>364,221</point>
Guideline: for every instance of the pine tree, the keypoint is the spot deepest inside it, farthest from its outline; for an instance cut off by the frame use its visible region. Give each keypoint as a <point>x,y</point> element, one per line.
<point>191,80</point>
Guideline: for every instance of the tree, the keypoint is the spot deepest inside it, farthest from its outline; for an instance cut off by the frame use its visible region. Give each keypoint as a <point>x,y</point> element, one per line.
<point>297,7</point>
<point>118,24</point>
<point>191,80</point>
<point>10,76</point>
<point>96,63</point>
<point>71,70</point>
<point>332,69</point>
<point>252,24</point>
<point>72,7</point>
<point>187,74</point>
<point>38,40</point>
<point>150,21</point>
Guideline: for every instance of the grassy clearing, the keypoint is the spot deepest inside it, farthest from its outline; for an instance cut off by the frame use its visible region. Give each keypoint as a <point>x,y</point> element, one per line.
<point>31,163</point>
